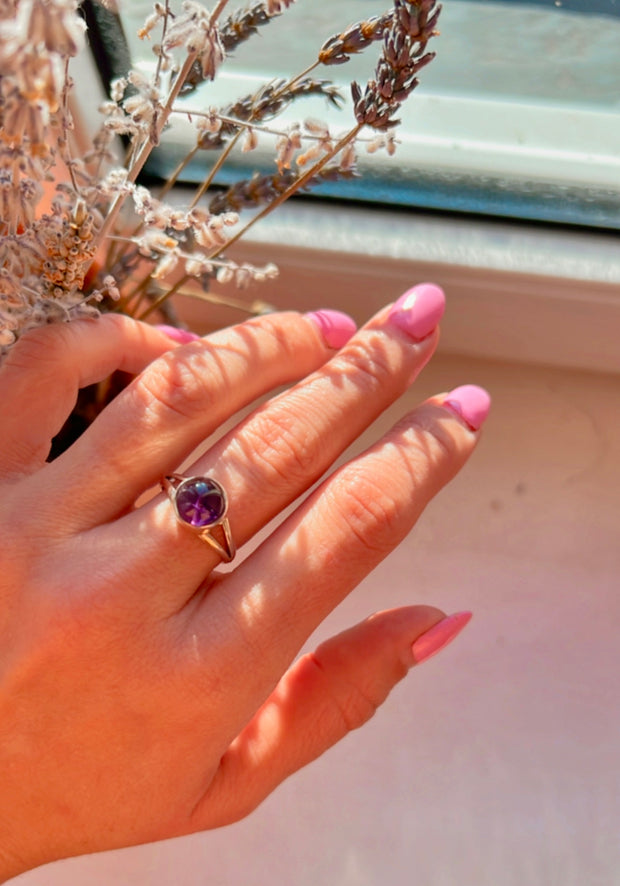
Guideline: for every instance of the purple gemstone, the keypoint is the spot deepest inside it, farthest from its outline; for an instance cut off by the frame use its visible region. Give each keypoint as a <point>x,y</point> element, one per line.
<point>200,502</point>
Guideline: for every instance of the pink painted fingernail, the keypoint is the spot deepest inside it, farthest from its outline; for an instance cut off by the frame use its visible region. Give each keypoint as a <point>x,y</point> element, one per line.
<point>181,336</point>
<point>469,403</point>
<point>335,327</point>
<point>438,637</point>
<point>419,310</point>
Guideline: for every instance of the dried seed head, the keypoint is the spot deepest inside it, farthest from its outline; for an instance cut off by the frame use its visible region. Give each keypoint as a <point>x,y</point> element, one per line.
<point>339,48</point>
<point>403,55</point>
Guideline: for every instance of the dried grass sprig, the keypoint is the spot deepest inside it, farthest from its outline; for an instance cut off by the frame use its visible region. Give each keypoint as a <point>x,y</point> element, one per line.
<point>267,102</point>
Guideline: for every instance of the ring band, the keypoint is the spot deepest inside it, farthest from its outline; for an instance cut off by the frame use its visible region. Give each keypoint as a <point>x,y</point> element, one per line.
<point>200,503</point>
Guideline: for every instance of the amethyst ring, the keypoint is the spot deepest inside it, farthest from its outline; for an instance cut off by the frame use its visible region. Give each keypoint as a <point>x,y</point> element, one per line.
<point>201,504</point>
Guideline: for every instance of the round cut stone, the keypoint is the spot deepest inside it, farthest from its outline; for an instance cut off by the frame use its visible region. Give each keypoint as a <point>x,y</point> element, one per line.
<point>200,502</point>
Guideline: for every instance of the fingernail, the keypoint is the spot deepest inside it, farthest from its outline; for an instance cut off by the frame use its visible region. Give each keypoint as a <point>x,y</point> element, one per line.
<point>181,336</point>
<point>419,310</point>
<point>438,637</point>
<point>469,403</point>
<point>335,327</point>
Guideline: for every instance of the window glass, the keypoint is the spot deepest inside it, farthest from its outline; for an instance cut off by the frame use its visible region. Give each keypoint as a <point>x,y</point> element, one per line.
<point>518,115</point>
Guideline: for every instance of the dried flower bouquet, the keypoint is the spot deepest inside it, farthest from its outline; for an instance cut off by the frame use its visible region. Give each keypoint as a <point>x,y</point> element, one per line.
<point>81,234</point>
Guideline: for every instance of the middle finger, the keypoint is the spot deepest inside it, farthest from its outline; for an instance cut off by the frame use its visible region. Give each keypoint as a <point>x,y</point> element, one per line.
<point>280,450</point>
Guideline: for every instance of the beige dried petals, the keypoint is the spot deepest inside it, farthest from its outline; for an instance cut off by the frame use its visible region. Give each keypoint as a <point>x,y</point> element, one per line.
<point>193,30</point>
<point>151,22</point>
<point>178,220</point>
<point>225,274</point>
<point>115,182</point>
<point>117,90</point>
<point>140,109</point>
<point>165,266</point>
<point>211,55</point>
<point>348,157</point>
<point>198,266</point>
<point>204,237</point>
<point>310,154</point>
<point>250,142</point>
<point>53,24</point>
<point>209,122</point>
<point>316,127</point>
<point>198,216</point>
<point>286,146</point>
<point>154,242</point>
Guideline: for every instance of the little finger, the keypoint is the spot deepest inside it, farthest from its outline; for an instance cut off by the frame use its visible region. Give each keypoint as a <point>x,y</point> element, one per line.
<point>322,697</point>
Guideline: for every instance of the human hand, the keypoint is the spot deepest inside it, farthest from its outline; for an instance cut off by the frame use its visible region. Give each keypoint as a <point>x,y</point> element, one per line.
<point>142,694</point>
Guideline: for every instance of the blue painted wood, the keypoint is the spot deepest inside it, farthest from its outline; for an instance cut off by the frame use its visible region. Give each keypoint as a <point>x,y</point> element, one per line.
<point>587,7</point>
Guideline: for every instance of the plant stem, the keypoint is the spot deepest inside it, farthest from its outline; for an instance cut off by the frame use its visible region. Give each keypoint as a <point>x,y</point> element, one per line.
<point>147,147</point>
<point>219,9</point>
<point>162,298</point>
<point>172,179</point>
<point>215,168</point>
<point>231,144</point>
<point>296,186</point>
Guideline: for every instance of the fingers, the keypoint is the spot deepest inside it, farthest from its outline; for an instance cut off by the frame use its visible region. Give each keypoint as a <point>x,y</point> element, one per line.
<point>179,401</point>
<point>321,698</point>
<point>278,595</point>
<point>273,456</point>
<point>42,374</point>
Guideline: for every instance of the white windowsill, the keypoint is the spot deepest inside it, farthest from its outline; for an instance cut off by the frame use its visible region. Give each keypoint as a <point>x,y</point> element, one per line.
<point>515,292</point>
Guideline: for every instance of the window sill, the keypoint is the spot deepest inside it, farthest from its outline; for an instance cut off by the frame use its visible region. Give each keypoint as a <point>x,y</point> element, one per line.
<point>529,294</point>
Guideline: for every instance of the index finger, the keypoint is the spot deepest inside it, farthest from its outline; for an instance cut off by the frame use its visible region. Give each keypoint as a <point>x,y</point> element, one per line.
<point>42,374</point>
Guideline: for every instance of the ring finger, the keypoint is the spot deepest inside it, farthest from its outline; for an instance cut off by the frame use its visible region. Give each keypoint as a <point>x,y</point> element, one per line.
<point>273,456</point>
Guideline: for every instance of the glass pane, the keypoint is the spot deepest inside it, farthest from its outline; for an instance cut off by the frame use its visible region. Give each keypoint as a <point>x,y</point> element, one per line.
<point>519,114</point>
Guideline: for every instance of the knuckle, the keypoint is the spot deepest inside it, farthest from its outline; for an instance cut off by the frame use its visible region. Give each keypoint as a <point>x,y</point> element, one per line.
<point>44,346</point>
<point>373,368</point>
<point>432,440</point>
<point>370,512</point>
<point>282,443</point>
<point>272,329</point>
<point>174,384</point>
<point>353,704</point>
<point>271,338</point>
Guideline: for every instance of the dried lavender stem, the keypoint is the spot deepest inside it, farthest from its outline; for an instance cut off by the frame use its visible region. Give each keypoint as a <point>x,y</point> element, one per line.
<point>243,125</point>
<point>297,185</point>
<point>255,307</point>
<point>173,178</point>
<point>166,295</point>
<point>206,184</point>
<point>204,187</point>
<point>219,9</point>
<point>298,77</point>
<point>65,109</point>
<point>147,146</point>
<point>160,58</point>
<point>137,290</point>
